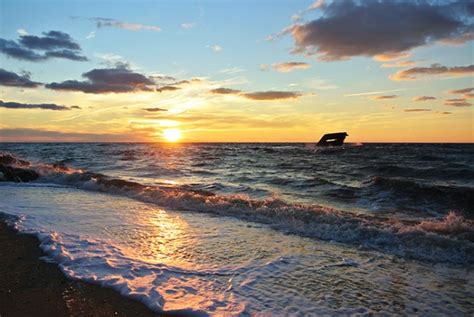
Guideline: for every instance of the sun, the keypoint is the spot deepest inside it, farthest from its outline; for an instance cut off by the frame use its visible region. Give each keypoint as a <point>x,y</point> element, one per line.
<point>172,135</point>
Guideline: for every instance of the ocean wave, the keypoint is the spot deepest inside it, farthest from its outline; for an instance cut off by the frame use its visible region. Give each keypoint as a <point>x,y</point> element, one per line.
<point>426,240</point>
<point>459,197</point>
<point>445,172</point>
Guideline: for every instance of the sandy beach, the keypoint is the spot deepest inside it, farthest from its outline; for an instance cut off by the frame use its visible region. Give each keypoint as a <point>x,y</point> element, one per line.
<point>31,287</point>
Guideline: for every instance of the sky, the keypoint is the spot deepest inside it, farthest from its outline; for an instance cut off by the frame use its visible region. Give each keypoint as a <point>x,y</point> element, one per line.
<point>236,71</point>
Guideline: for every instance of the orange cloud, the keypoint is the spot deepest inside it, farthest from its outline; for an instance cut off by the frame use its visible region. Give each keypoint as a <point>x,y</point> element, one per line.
<point>391,56</point>
<point>458,102</point>
<point>423,98</point>
<point>433,70</point>
<point>417,110</point>
<point>258,95</point>
<point>398,64</point>
<point>290,66</point>
<point>225,91</point>
<point>385,97</point>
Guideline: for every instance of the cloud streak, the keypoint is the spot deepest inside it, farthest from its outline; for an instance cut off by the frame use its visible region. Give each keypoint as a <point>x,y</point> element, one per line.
<point>225,91</point>
<point>423,98</point>
<point>43,106</point>
<point>155,109</point>
<point>373,92</point>
<point>457,102</point>
<point>286,67</point>
<point>433,70</point>
<point>466,92</point>
<point>398,64</point>
<point>106,22</point>
<point>417,110</point>
<point>462,91</point>
<point>258,95</point>
<point>14,80</point>
<point>385,97</point>
<point>26,134</point>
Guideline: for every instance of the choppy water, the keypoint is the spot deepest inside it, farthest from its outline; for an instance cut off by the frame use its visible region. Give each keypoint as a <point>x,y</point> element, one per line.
<point>257,228</point>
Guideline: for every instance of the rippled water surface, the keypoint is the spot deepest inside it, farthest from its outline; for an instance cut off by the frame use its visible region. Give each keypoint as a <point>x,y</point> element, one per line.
<point>410,179</point>
<point>257,228</point>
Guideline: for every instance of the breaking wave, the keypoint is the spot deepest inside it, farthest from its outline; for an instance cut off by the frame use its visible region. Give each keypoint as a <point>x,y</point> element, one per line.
<point>441,240</point>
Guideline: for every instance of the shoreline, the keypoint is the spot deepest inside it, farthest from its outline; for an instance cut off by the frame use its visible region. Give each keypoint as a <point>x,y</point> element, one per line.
<point>32,287</point>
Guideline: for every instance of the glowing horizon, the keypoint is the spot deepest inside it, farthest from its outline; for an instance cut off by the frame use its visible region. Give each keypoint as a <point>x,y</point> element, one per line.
<point>216,73</point>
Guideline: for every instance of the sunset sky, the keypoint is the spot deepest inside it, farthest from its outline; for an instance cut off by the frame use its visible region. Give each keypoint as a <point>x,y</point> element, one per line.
<point>236,71</point>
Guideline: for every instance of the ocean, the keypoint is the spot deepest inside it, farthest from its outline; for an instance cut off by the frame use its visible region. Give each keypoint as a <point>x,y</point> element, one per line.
<point>255,228</point>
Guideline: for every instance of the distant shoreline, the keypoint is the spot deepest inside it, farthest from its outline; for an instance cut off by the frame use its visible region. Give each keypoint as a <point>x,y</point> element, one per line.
<point>217,142</point>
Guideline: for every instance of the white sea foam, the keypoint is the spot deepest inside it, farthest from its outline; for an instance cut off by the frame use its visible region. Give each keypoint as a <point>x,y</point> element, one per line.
<point>202,264</point>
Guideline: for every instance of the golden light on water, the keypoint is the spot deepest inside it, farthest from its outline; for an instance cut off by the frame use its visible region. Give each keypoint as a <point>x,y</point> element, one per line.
<point>172,135</point>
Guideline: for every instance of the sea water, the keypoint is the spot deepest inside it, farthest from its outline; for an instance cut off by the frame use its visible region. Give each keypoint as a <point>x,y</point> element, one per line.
<point>256,229</point>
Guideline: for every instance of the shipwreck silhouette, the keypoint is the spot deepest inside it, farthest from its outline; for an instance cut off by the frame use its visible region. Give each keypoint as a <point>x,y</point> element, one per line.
<point>333,139</point>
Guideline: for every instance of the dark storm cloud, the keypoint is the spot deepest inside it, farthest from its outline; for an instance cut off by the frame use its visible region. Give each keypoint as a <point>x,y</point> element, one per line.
<point>12,79</point>
<point>44,106</point>
<point>50,41</point>
<point>380,28</point>
<point>423,98</point>
<point>258,95</point>
<point>12,49</point>
<point>119,79</point>
<point>53,44</point>
<point>433,70</point>
<point>107,80</point>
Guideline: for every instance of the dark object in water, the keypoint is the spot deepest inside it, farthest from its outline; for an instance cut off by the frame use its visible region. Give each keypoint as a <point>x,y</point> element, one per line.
<point>333,139</point>
<point>12,174</point>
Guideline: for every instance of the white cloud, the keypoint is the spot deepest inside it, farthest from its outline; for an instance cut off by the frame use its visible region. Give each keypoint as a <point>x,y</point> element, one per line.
<point>91,35</point>
<point>22,32</point>
<point>188,25</point>
<point>320,84</point>
<point>316,5</point>
<point>231,70</point>
<point>374,92</point>
<point>106,22</point>
<point>215,48</point>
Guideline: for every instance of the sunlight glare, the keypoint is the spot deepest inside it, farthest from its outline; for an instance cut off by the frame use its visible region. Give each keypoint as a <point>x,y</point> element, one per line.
<point>172,135</point>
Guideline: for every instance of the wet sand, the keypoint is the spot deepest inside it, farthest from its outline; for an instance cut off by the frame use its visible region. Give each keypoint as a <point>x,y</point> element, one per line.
<point>31,287</point>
